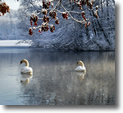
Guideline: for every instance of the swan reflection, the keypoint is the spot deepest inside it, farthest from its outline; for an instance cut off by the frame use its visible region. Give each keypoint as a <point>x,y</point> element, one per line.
<point>25,78</point>
<point>80,75</point>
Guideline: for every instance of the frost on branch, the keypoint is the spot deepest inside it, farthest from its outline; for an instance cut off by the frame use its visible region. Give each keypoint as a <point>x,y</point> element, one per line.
<point>34,18</point>
<point>96,12</point>
<point>49,12</point>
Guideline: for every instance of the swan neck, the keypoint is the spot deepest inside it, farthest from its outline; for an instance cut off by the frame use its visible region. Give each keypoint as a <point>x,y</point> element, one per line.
<point>26,63</point>
<point>82,64</point>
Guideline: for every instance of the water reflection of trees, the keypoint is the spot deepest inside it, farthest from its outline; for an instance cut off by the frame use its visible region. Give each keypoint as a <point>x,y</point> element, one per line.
<point>55,82</point>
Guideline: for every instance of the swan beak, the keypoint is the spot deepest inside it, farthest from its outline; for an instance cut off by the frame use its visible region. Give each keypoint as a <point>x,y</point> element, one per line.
<point>77,63</point>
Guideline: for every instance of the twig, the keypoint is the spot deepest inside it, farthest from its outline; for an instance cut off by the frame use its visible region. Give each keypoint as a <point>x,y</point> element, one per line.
<point>72,16</point>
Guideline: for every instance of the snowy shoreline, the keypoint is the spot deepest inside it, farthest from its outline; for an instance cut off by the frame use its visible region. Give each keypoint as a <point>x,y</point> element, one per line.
<point>13,43</point>
<point>27,44</point>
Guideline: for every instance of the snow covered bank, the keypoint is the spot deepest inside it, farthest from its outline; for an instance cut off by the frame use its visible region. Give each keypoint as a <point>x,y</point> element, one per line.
<point>15,43</point>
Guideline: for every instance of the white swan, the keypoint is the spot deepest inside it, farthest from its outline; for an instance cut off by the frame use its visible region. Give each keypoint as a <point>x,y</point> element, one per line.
<point>81,67</point>
<point>26,69</point>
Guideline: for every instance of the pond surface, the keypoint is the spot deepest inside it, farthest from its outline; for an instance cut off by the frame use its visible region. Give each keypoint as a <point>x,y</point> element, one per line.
<point>54,81</point>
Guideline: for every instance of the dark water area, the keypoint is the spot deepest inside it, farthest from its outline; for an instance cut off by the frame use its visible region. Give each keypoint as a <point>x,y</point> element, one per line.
<point>54,80</point>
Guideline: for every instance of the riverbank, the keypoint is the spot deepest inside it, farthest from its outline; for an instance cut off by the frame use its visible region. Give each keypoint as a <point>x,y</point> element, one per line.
<point>15,43</point>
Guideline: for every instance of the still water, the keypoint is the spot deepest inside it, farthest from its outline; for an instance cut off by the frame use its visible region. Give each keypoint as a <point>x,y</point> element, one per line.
<point>54,81</point>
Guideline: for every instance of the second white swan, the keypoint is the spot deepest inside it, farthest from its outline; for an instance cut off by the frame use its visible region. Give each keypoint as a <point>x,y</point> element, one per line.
<point>81,67</point>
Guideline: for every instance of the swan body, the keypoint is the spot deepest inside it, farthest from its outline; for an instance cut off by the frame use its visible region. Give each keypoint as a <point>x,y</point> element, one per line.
<point>26,69</point>
<point>81,67</point>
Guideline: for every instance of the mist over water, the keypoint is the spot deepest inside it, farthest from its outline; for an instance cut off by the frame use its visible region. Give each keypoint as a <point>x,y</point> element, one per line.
<point>54,81</point>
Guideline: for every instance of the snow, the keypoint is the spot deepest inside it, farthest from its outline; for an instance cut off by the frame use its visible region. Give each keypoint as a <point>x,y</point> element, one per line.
<point>14,43</point>
<point>13,4</point>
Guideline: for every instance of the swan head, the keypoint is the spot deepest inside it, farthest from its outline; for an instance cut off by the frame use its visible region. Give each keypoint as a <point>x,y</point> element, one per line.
<point>24,61</point>
<point>80,63</point>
